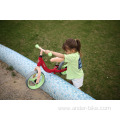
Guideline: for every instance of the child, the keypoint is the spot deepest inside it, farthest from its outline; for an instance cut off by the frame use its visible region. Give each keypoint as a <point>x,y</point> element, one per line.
<point>72,57</point>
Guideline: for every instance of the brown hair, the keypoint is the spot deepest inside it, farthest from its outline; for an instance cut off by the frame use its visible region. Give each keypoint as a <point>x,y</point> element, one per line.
<point>72,44</point>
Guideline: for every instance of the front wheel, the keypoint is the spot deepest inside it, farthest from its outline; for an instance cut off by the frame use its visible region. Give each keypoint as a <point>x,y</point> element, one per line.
<point>31,80</point>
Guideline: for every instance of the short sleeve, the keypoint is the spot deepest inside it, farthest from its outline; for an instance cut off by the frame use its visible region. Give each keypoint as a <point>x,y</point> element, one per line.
<point>68,58</point>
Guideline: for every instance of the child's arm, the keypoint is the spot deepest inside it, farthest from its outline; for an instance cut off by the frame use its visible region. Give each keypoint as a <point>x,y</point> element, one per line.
<point>55,54</point>
<point>56,59</point>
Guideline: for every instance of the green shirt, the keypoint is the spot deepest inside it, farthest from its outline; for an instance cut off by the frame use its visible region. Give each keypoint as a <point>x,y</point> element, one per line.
<point>74,66</point>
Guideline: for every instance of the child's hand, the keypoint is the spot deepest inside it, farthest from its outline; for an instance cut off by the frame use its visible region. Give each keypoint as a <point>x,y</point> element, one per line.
<point>47,51</point>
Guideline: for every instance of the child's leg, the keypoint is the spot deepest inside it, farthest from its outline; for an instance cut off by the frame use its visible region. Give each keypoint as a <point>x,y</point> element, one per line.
<point>39,74</point>
<point>70,81</point>
<point>56,59</point>
<point>79,88</point>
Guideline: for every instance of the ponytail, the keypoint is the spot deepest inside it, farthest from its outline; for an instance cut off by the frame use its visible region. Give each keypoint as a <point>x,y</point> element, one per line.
<point>78,46</point>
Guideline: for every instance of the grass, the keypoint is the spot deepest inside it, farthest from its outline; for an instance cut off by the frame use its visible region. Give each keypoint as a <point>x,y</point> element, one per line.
<point>100,48</point>
<point>13,74</point>
<point>10,68</point>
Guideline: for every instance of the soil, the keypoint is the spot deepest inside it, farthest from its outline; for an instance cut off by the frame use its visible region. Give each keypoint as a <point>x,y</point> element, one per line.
<point>13,86</point>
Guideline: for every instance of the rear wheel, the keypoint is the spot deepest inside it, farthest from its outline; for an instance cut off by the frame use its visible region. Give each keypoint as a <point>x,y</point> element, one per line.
<point>62,65</point>
<point>31,80</point>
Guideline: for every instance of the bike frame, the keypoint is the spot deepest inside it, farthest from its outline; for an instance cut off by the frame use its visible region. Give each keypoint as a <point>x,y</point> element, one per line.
<point>54,70</point>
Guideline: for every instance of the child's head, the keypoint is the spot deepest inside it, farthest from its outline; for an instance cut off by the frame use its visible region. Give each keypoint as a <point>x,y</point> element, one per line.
<point>72,46</point>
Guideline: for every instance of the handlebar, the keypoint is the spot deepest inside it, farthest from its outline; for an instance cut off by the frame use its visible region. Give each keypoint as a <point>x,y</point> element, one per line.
<point>38,47</point>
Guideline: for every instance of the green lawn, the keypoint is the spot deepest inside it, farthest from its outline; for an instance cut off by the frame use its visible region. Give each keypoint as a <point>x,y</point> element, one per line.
<point>100,48</point>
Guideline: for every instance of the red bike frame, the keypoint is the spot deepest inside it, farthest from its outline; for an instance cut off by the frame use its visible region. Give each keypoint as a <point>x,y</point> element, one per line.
<point>54,70</point>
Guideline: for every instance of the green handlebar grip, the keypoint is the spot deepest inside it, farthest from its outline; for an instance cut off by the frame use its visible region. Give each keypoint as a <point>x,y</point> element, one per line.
<point>49,54</point>
<point>37,46</point>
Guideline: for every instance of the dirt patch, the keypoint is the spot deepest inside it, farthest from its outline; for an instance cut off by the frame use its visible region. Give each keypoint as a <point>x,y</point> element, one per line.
<point>13,86</point>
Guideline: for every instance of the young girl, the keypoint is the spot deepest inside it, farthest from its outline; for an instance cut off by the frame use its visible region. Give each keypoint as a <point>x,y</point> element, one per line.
<point>74,67</point>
